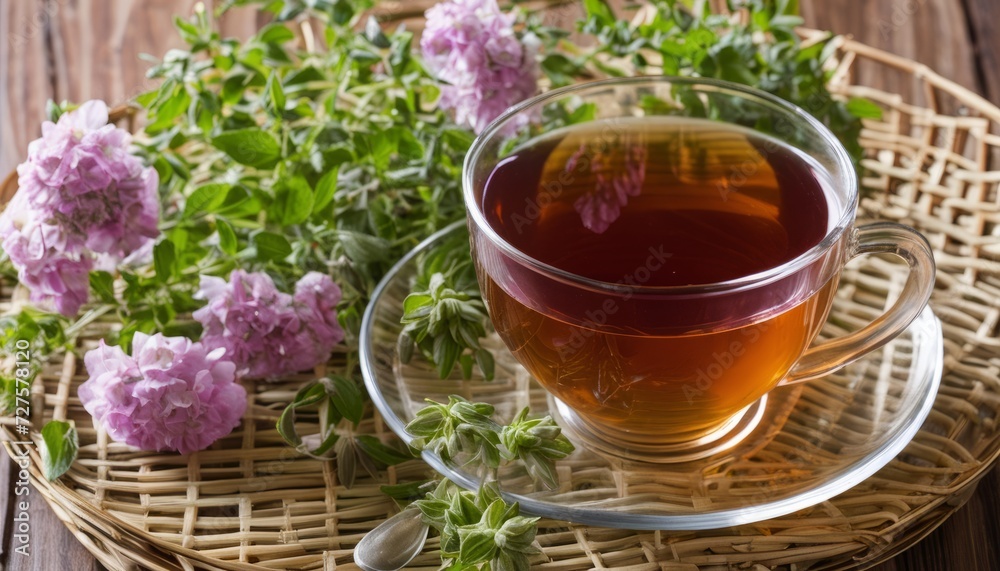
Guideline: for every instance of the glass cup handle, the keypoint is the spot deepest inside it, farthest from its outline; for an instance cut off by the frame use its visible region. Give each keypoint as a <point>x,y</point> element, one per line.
<point>877,238</point>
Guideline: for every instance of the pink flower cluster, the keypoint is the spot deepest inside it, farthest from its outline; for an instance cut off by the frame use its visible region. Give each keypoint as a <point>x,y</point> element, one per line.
<point>266,332</point>
<point>472,47</point>
<point>80,193</point>
<point>171,394</point>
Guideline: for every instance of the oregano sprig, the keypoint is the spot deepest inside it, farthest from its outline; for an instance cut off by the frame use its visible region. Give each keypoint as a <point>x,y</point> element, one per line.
<point>465,433</point>
<point>337,406</point>
<point>751,42</point>
<point>538,443</point>
<point>284,154</point>
<point>459,431</point>
<point>479,529</point>
<point>444,315</point>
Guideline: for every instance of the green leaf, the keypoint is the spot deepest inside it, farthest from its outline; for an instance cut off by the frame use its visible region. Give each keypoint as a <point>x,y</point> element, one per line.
<point>373,33</point>
<point>732,67</point>
<point>145,99</point>
<point>52,110</point>
<point>325,189</point>
<point>334,157</point>
<point>172,107</point>
<point>415,301</point>
<point>433,511</point>
<point>206,198</point>
<point>389,142</point>
<point>59,447</point>
<point>252,147</point>
<point>325,450</point>
<point>380,452</point>
<point>178,165</point>
<point>350,320</point>
<point>286,426</point>
<point>446,353</point>
<point>582,114</point>
<point>347,398</point>
<point>240,202</point>
<point>341,12</point>
<point>407,490</point>
<point>560,69</point>
<point>298,201</point>
<point>364,248</point>
<point>308,395</point>
<point>275,34</point>
<point>477,545</point>
<point>863,108</point>
<point>187,30</point>
<point>271,246</point>
<point>234,85</point>
<point>599,9</point>
<point>463,511</point>
<point>227,237</point>
<point>364,57</point>
<point>302,75</point>
<point>495,514</point>
<point>276,93</point>
<point>459,139</point>
<point>103,284</point>
<point>786,22</point>
<point>484,358</point>
<point>164,260</point>
<point>509,561</point>
<point>787,7</point>
<point>761,21</point>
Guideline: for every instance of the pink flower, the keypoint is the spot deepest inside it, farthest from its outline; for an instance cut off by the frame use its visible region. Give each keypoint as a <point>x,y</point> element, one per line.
<point>63,280</point>
<point>80,193</point>
<point>316,298</point>
<point>472,47</point>
<point>171,394</point>
<point>266,332</point>
<point>45,265</point>
<point>81,177</point>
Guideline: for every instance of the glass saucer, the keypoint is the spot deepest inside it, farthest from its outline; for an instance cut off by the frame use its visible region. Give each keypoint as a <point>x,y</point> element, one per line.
<point>814,440</point>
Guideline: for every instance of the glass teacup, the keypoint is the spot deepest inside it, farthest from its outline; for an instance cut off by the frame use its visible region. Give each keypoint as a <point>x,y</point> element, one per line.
<point>663,252</point>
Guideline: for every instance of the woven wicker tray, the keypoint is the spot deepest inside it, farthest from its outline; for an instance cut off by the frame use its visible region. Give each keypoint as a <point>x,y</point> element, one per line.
<point>250,503</point>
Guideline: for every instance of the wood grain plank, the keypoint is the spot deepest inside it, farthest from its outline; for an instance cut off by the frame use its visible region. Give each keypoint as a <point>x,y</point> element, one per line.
<point>97,43</point>
<point>96,46</point>
<point>968,541</point>
<point>241,22</point>
<point>984,26</point>
<point>52,546</point>
<point>24,72</point>
<point>932,32</point>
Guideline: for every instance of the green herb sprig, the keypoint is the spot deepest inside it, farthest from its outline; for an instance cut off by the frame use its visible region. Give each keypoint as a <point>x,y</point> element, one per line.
<point>444,315</point>
<point>465,433</point>
<point>479,529</point>
<point>336,405</point>
<point>753,42</point>
<point>287,155</point>
<point>28,337</point>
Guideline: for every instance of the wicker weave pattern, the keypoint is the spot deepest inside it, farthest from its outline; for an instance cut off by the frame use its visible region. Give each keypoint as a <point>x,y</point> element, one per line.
<point>251,504</point>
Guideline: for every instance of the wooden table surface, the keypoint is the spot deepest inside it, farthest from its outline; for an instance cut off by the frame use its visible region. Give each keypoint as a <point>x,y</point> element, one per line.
<point>82,49</point>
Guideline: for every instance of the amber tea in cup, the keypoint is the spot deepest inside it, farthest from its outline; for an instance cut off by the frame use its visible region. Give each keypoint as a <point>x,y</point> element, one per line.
<point>645,210</point>
<point>660,273</point>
